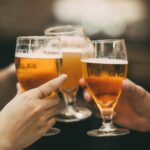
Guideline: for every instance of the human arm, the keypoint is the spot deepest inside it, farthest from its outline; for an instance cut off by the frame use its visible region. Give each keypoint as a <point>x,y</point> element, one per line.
<point>28,116</point>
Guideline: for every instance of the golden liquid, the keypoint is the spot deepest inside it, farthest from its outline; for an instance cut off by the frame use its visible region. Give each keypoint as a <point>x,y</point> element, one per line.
<point>104,79</point>
<point>33,72</point>
<point>73,68</point>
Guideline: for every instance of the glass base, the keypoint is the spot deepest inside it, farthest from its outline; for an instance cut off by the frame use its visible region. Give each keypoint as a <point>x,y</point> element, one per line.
<point>71,114</point>
<point>52,131</point>
<point>103,133</point>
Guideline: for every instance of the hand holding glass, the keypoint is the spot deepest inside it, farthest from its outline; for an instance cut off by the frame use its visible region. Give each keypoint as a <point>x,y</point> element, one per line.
<point>38,60</point>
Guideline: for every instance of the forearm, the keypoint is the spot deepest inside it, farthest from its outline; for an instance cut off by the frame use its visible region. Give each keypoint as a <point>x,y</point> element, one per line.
<point>5,143</point>
<point>7,87</point>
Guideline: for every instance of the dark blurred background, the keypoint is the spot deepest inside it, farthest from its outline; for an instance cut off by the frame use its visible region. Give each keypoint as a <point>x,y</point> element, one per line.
<point>129,19</point>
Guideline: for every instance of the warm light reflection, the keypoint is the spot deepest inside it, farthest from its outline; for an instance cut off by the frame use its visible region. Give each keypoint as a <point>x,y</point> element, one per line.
<point>107,16</point>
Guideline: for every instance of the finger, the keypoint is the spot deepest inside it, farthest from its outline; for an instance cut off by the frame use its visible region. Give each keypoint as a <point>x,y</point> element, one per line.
<point>132,90</point>
<point>45,89</point>
<point>49,102</point>
<point>52,112</point>
<point>42,130</point>
<point>87,95</point>
<point>82,82</point>
<point>50,123</point>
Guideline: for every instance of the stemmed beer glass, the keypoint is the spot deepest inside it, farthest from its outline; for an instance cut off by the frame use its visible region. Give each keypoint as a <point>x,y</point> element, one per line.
<point>72,38</point>
<point>104,65</point>
<point>38,59</point>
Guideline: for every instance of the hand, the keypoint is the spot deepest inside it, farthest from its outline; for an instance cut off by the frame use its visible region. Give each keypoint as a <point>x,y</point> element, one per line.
<point>28,116</point>
<point>133,108</point>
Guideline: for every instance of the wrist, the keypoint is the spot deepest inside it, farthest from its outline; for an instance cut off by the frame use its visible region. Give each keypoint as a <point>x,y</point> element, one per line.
<point>5,142</point>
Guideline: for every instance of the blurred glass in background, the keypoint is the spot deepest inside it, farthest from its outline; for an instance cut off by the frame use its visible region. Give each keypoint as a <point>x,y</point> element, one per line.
<point>109,17</point>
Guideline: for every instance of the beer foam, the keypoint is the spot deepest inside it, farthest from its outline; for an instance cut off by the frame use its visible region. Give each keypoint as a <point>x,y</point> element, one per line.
<point>37,55</point>
<point>71,50</point>
<point>104,61</point>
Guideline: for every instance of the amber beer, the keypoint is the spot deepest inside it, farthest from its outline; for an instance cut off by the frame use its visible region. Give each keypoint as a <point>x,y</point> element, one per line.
<point>73,68</point>
<point>104,78</point>
<point>34,70</point>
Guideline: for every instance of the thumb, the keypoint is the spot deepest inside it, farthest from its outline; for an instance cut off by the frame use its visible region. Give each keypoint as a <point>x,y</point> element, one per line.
<point>82,82</point>
<point>45,89</point>
<point>132,90</point>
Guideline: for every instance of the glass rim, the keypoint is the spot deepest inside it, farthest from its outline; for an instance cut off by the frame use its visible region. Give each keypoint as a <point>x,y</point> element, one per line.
<point>73,28</point>
<point>27,40</point>
<point>36,37</point>
<point>106,41</point>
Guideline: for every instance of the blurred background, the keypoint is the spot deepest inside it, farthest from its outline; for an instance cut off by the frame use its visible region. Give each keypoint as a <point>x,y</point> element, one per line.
<point>129,19</point>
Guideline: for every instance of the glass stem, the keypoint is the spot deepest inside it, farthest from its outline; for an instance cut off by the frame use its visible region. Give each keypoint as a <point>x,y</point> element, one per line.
<point>69,100</point>
<point>107,124</point>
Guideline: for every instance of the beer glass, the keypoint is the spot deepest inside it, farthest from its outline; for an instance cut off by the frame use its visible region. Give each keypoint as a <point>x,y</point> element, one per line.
<point>38,59</point>
<point>104,66</point>
<point>71,38</point>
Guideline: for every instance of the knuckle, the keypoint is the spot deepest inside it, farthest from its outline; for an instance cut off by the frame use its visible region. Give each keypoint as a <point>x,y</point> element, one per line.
<point>136,92</point>
<point>130,90</point>
<point>142,93</point>
<point>41,93</point>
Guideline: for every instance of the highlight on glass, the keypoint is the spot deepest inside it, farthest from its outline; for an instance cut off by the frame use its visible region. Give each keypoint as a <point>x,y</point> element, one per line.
<point>38,59</point>
<point>71,38</point>
<point>104,66</point>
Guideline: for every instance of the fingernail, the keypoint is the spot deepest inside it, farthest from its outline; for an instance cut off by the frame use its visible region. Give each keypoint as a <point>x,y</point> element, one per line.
<point>64,76</point>
<point>87,96</point>
<point>82,82</point>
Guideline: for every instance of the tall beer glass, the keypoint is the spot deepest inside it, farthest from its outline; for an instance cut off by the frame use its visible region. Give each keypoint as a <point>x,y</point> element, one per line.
<point>38,59</point>
<point>104,65</point>
<point>71,38</point>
